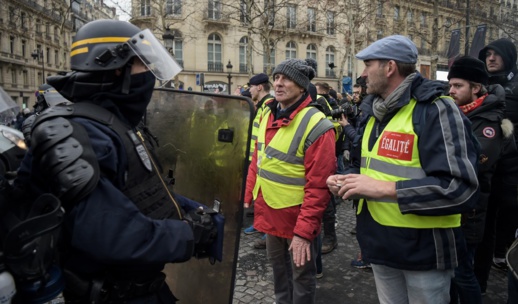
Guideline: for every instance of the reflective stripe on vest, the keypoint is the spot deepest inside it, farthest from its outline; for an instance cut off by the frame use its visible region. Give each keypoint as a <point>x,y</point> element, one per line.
<point>395,157</point>
<point>280,165</point>
<point>255,127</point>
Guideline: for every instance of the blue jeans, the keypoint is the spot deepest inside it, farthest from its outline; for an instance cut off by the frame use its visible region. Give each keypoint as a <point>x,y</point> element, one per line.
<point>465,285</point>
<point>292,285</point>
<point>396,286</point>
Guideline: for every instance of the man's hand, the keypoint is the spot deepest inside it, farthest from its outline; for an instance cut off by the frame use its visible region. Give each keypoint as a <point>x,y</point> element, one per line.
<point>301,250</point>
<point>343,121</point>
<point>353,186</point>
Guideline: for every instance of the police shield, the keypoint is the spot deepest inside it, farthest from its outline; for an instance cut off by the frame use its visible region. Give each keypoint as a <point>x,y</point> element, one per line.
<point>203,148</point>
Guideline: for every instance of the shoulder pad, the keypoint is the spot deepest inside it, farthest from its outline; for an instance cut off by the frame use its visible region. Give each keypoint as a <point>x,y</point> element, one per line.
<point>63,152</point>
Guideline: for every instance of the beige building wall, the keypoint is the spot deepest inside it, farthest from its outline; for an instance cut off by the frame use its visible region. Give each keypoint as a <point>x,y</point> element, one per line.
<point>357,23</point>
<point>48,25</point>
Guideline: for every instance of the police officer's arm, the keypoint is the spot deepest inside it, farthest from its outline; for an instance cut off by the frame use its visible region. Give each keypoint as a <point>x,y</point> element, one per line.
<point>448,158</point>
<point>108,226</point>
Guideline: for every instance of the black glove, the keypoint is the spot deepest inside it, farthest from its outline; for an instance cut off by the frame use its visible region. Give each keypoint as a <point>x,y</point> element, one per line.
<point>204,229</point>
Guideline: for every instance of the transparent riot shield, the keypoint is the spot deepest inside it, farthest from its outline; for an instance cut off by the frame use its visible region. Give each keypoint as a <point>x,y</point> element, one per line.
<point>203,147</point>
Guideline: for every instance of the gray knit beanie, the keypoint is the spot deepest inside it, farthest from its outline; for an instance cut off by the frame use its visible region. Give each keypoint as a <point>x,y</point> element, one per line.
<point>297,70</point>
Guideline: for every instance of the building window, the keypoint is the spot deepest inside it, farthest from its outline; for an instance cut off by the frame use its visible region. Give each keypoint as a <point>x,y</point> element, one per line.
<point>396,12</point>
<point>12,15</point>
<point>312,20</point>
<point>214,54</point>
<point>214,9</point>
<point>269,56</point>
<point>13,76</point>
<point>291,16</point>
<point>56,58</point>
<point>311,52</point>
<point>38,26</point>
<point>379,9</point>
<point>24,48</point>
<point>145,7</point>
<point>330,58</point>
<point>410,16</point>
<point>23,19</point>
<point>423,19</point>
<point>178,51</point>
<point>48,55</point>
<point>291,50</point>
<point>25,78</point>
<point>330,23</point>
<point>243,17</point>
<point>269,8</point>
<point>173,7</point>
<point>243,54</point>
<point>11,44</point>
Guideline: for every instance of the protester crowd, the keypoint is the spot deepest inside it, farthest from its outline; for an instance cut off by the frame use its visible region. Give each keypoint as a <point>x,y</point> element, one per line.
<point>430,168</point>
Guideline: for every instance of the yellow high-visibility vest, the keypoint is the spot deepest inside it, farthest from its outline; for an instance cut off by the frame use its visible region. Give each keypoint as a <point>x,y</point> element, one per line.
<point>395,157</point>
<point>280,165</point>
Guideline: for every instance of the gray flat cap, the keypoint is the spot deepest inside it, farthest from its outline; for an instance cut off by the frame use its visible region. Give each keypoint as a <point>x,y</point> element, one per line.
<point>395,47</point>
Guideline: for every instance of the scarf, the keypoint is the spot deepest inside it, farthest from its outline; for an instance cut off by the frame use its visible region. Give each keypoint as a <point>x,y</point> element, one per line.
<point>473,105</point>
<point>381,107</point>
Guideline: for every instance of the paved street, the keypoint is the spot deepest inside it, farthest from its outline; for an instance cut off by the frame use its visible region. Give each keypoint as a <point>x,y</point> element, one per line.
<point>341,282</point>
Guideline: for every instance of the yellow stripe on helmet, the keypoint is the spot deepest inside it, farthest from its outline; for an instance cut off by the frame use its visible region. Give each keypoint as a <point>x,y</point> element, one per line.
<point>100,40</point>
<point>79,51</point>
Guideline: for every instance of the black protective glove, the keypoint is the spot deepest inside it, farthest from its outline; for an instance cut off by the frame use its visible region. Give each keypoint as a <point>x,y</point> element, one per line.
<point>204,229</point>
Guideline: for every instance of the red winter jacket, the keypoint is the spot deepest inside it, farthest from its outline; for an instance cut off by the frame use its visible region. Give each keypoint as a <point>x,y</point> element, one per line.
<point>320,162</point>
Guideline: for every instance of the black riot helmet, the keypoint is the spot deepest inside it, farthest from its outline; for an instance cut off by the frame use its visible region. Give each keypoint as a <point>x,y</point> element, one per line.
<point>99,46</point>
<point>104,45</point>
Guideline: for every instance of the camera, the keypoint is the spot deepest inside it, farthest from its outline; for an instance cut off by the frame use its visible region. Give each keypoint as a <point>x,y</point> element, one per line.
<point>345,109</point>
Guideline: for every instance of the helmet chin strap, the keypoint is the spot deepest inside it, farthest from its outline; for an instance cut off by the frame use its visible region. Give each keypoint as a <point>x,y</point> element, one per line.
<point>126,82</point>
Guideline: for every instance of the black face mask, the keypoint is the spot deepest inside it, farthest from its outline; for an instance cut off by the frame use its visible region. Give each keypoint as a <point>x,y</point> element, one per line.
<point>107,88</point>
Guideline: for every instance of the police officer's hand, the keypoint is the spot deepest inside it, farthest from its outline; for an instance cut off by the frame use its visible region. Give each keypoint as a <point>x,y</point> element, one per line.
<point>204,230</point>
<point>301,250</point>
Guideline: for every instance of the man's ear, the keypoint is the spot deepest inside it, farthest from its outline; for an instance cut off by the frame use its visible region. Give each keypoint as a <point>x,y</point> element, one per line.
<point>391,68</point>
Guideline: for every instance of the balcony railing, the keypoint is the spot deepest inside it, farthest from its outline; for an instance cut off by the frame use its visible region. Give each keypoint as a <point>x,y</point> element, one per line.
<point>330,73</point>
<point>215,67</point>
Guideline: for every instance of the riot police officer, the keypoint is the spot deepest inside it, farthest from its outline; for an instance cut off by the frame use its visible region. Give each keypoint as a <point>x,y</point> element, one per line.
<point>122,225</point>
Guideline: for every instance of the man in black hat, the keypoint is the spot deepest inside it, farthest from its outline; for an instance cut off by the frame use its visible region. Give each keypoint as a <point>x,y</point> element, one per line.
<point>485,109</point>
<point>259,89</point>
<point>500,59</point>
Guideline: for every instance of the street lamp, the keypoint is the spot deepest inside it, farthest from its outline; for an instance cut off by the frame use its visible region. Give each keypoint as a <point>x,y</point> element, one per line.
<point>38,54</point>
<point>229,76</point>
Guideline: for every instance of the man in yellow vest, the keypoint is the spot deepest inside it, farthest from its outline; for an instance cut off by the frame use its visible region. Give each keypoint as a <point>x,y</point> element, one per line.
<point>417,174</point>
<point>259,88</point>
<point>287,181</point>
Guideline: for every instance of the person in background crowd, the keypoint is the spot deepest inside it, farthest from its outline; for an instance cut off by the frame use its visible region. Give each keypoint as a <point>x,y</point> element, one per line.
<point>500,58</point>
<point>286,181</point>
<point>413,181</point>
<point>485,109</point>
<point>259,88</point>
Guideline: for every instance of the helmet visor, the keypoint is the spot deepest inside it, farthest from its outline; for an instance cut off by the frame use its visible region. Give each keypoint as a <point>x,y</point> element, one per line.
<point>154,55</point>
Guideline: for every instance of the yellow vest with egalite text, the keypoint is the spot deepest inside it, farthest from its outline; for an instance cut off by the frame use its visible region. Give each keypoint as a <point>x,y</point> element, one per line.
<point>280,165</point>
<point>395,157</point>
